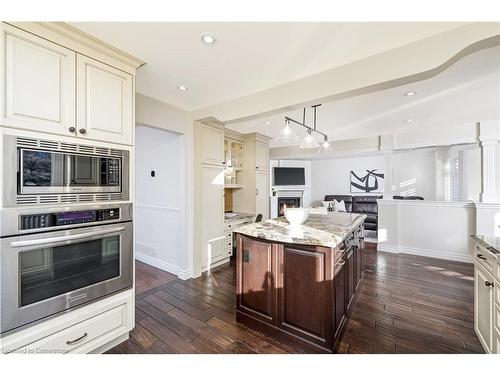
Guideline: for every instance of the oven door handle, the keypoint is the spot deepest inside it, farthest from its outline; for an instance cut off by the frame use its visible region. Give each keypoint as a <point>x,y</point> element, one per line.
<point>71,237</point>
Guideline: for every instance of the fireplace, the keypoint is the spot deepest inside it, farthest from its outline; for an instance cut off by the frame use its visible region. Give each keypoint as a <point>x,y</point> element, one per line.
<point>287,202</point>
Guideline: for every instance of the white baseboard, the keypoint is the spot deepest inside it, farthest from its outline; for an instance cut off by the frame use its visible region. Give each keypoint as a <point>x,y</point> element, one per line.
<point>165,266</point>
<point>425,253</point>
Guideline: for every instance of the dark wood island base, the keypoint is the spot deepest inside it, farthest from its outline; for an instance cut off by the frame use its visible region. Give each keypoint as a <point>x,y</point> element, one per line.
<point>300,293</point>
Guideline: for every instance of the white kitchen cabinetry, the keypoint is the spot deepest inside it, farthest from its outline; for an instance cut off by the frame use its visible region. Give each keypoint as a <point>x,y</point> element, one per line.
<point>486,299</point>
<point>483,302</point>
<point>212,145</point>
<point>262,194</point>
<point>105,102</point>
<point>261,156</point>
<point>254,195</point>
<point>212,210</point>
<point>209,240</point>
<point>49,88</point>
<point>38,83</point>
<point>92,328</point>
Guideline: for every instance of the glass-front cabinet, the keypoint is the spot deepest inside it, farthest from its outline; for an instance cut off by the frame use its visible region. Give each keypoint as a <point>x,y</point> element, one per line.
<point>233,153</point>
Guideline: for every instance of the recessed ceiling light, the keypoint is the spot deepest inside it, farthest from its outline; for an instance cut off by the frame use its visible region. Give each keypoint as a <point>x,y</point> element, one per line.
<point>182,88</point>
<point>267,123</point>
<point>409,121</point>
<point>208,39</point>
<point>410,93</point>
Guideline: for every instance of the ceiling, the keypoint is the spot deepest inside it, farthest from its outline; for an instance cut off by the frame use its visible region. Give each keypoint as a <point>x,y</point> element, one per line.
<point>466,92</point>
<point>248,57</point>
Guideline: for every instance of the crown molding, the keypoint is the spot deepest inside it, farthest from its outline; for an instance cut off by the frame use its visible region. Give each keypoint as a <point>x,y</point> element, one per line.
<point>81,42</point>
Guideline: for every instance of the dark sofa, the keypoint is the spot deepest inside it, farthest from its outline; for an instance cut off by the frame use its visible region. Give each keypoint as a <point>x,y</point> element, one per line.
<point>365,204</point>
<point>362,204</point>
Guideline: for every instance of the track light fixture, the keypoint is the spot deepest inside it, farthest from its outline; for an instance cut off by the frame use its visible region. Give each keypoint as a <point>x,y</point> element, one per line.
<point>309,141</point>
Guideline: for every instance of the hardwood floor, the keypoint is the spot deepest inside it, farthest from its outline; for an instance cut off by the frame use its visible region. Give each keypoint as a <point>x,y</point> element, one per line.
<point>405,304</point>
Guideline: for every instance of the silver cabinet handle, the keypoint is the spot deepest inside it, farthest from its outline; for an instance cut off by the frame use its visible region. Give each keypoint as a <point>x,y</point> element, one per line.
<point>54,240</point>
<point>76,341</point>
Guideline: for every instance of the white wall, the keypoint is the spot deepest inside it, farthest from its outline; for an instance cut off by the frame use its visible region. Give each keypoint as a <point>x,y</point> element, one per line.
<point>415,172</point>
<point>306,164</point>
<point>333,176</point>
<point>432,229</point>
<point>159,216</point>
<point>156,114</point>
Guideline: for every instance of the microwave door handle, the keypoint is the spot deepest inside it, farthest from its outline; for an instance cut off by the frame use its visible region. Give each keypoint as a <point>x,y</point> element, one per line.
<point>71,237</point>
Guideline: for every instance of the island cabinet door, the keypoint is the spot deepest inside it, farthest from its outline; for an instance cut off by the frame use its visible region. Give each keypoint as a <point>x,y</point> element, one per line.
<point>255,286</point>
<point>359,264</point>
<point>305,293</point>
<point>339,280</point>
<point>351,277</point>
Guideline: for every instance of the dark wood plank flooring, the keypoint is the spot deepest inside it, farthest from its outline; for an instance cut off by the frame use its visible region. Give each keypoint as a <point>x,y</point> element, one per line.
<point>405,304</point>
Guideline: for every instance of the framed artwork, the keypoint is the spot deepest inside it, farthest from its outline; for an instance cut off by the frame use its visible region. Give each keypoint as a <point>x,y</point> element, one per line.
<point>367,181</point>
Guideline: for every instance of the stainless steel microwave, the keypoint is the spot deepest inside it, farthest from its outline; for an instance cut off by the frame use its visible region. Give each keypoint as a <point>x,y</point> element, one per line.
<point>57,168</point>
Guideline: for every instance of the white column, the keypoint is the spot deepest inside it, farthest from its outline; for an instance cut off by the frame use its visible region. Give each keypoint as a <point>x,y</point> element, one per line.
<point>388,178</point>
<point>488,171</point>
<point>387,143</point>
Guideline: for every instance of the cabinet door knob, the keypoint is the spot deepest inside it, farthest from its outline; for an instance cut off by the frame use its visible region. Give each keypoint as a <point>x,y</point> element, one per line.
<point>487,283</point>
<point>481,256</point>
<point>72,129</point>
<point>256,167</point>
<point>82,131</point>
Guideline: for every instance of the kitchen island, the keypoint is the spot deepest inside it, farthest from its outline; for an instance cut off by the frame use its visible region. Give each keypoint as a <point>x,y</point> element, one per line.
<point>298,282</point>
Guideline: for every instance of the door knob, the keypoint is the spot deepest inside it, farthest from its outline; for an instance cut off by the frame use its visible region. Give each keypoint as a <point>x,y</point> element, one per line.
<point>487,283</point>
<point>82,131</point>
<point>72,129</point>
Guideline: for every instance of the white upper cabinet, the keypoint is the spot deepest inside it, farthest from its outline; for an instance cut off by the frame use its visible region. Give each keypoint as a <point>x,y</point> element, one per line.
<point>212,145</point>
<point>261,156</point>
<point>39,83</point>
<point>105,102</point>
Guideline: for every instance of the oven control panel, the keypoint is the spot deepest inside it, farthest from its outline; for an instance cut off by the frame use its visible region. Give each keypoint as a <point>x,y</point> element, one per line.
<point>55,219</point>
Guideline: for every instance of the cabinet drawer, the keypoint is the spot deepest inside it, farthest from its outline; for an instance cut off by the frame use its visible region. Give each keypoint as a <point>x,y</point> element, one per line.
<point>485,258</point>
<point>72,338</point>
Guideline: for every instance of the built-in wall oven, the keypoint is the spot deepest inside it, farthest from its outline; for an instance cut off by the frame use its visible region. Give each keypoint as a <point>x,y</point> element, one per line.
<point>54,259</point>
<point>61,172</point>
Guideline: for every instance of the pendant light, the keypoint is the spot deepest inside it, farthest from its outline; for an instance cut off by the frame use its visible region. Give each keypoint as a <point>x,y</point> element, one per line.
<point>309,141</point>
<point>287,135</point>
<point>324,146</point>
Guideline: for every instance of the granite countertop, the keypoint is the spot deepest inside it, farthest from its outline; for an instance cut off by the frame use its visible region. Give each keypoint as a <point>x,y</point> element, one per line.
<point>320,230</point>
<point>237,216</point>
<point>491,242</point>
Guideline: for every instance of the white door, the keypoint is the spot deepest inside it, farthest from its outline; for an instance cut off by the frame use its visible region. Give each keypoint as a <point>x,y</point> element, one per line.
<point>212,145</point>
<point>40,80</point>
<point>213,214</point>
<point>105,102</point>
<point>483,306</point>
<point>261,195</point>
<point>261,156</point>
